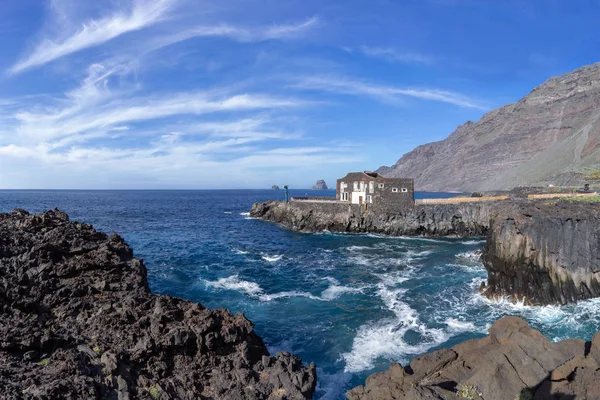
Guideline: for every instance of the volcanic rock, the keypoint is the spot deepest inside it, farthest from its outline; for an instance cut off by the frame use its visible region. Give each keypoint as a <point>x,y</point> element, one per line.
<point>78,321</point>
<point>429,220</point>
<point>543,253</point>
<point>320,185</point>
<point>513,362</point>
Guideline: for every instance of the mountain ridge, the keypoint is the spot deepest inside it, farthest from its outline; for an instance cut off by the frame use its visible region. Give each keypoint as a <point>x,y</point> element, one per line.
<point>550,136</point>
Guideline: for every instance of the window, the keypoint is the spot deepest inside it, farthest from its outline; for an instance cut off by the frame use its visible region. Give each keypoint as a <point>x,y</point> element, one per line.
<point>369,198</point>
<point>394,190</point>
<point>371,187</point>
<point>404,190</point>
<point>381,185</point>
<point>342,186</point>
<point>356,186</point>
<point>344,196</point>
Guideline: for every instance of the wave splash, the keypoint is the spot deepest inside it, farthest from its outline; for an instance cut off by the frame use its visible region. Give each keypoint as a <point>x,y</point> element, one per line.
<point>254,290</point>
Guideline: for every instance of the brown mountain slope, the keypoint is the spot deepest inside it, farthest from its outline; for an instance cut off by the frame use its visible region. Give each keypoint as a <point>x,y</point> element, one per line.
<point>551,136</point>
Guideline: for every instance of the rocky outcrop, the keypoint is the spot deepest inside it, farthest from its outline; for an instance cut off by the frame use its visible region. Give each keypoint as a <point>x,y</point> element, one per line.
<point>551,136</point>
<point>320,185</point>
<point>274,187</point>
<point>78,321</point>
<point>544,253</point>
<point>513,362</point>
<point>430,220</point>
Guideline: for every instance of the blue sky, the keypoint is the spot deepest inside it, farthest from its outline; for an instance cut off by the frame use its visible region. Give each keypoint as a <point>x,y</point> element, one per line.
<point>248,93</point>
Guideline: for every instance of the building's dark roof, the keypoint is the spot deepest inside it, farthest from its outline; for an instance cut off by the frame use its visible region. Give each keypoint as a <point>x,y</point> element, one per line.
<point>373,175</point>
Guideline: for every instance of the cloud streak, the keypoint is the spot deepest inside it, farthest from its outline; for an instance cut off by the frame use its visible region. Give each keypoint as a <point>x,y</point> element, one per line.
<point>240,34</point>
<point>144,13</point>
<point>385,93</point>
<point>393,55</point>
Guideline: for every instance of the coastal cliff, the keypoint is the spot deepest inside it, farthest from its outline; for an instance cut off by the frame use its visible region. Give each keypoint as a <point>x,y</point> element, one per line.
<point>514,362</point>
<point>78,321</point>
<point>543,253</point>
<point>431,220</point>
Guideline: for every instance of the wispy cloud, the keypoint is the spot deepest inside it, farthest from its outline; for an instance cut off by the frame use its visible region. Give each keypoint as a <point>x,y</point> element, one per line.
<point>238,33</point>
<point>393,55</point>
<point>390,94</point>
<point>143,13</point>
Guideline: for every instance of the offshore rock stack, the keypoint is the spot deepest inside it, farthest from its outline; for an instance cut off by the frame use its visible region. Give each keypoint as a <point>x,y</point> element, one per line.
<point>79,321</point>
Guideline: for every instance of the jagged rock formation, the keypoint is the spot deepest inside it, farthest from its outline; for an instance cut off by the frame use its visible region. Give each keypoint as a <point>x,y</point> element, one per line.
<point>513,362</point>
<point>78,321</point>
<point>431,220</point>
<point>274,187</point>
<point>551,136</point>
<point>544,253</point>
<point>320,185</point>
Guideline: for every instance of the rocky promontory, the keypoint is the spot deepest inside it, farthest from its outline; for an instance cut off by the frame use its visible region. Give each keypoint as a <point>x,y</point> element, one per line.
<point>431,220</point>
<point>515,362</point>
<point>78,321</point>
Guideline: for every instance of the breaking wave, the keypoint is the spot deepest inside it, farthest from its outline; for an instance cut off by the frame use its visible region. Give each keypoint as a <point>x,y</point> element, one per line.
<point>254,290</point>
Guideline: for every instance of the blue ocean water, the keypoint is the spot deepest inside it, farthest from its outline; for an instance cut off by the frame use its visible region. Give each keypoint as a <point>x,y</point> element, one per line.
<point>350,303</point>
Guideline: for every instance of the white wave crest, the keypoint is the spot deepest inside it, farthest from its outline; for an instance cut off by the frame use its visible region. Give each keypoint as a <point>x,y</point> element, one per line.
<point>226,212</point>
<point>460,326</point>
<point>235,283</point>
<point>386,338</point>
<point>472,242</point>
<point>254,290</point>
<point>471,256</point>
<point>238,251</point>
<point>274,258</point>
<point>245,214</point>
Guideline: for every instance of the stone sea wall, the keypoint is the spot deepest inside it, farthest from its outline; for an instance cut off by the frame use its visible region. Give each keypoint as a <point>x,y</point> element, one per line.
<point>78,321</point>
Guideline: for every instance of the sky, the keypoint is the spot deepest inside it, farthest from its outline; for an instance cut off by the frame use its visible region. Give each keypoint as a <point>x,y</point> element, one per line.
<point>197,94</point>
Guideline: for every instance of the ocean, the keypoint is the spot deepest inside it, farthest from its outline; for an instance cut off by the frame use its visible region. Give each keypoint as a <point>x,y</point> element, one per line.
<point>351,303</point>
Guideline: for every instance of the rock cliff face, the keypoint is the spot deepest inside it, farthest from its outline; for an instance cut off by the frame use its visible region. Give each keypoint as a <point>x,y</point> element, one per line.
<point>430,220</point>
<point>551,136</point>
<point>544,254</point>
<point>513,362</point>
<point>78,321</point>
<point>320,185</point>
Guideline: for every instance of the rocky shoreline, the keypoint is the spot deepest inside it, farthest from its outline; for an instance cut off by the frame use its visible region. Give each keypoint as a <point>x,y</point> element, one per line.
<point>515,362</point>
<point>537,252</point>
<point>79,322</point>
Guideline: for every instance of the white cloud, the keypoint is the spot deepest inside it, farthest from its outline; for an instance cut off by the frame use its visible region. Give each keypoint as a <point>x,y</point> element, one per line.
<point>384,93</point>
<point>143,13</point>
